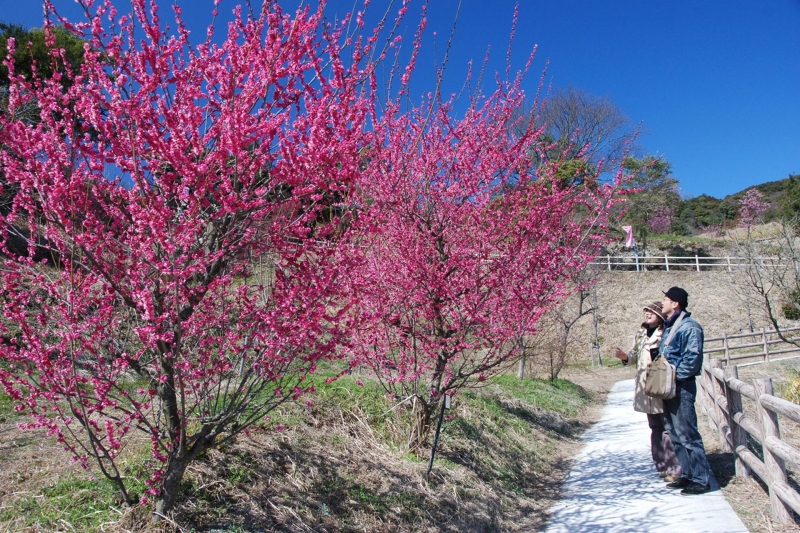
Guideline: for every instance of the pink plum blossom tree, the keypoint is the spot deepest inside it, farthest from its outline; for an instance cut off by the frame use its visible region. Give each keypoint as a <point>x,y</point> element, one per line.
<point>661,219</point>
<point>752,208</point>
<point>180,192</point>
<point>463,246</point>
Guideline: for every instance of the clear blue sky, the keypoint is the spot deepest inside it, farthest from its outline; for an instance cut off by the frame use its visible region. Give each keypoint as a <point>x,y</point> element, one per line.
<point>715,83</point>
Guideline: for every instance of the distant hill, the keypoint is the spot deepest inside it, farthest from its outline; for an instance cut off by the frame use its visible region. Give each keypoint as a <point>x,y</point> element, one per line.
<point>694,214</point>
<point>784,195</point>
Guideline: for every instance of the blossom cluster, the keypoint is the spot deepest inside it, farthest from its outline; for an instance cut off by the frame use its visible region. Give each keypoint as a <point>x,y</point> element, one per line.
<point>205,223</point>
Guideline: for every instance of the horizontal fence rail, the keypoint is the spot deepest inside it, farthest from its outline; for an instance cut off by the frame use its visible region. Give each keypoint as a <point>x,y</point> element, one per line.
<point>759,346</point>
<point>682,263</point>
<point>721,394</point>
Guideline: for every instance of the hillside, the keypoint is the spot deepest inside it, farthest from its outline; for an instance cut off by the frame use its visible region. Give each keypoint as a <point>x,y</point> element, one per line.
<point>694,214</point>
<point>337,465</point>
<point>782,194</point>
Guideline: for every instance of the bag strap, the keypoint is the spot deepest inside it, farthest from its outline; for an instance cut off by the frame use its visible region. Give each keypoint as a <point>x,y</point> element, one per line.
<point>674,329</point>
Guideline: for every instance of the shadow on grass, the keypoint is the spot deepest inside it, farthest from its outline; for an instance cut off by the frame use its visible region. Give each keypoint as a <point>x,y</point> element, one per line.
<point>342,483</point>
<point>724,467</point>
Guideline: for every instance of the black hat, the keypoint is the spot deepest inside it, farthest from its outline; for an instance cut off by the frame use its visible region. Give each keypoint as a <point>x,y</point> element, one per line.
<point>676,294</point>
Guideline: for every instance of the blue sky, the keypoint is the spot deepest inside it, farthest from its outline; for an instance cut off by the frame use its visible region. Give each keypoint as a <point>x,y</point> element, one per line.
<point>714,83</point>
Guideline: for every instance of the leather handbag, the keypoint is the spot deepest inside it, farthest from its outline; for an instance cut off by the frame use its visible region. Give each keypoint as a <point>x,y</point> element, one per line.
<point>660,377</point>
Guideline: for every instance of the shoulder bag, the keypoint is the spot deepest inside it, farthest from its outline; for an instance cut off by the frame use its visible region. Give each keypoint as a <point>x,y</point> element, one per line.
<point>660,377</point>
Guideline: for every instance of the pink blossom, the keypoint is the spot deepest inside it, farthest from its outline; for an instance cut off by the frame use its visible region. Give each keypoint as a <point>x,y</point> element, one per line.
<point>752,208</point>
<point>661,219</point>
<point>209,265</point>
<point>462,246</point>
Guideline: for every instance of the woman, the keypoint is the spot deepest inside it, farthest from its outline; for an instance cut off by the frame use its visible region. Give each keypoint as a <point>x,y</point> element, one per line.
<point>644,350</point>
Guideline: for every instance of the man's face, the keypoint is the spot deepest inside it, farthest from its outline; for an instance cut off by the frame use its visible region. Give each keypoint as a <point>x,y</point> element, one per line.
<point>668,306</point>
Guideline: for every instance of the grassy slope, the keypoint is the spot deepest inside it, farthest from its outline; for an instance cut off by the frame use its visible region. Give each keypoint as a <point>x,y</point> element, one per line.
<point>339,465</point>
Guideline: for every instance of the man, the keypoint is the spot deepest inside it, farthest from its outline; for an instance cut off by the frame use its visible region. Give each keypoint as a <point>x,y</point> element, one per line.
<point>685,352</point>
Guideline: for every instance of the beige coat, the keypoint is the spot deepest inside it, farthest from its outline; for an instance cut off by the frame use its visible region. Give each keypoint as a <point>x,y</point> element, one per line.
<point>640,355</point>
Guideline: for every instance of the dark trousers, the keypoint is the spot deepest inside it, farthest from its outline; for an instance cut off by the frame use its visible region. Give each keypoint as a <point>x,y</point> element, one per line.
<point>681,421</point>
<point>661,446</point>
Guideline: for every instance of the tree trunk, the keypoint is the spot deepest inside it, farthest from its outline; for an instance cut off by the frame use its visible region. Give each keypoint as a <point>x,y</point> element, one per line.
<point>176,468</point>
<point>421,425</point>
<point>170,488</point>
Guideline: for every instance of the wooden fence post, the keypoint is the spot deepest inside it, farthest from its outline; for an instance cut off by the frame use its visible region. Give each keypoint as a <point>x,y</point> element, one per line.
<point>774,464</point>
<point>608,260</point>
<point>766,346</point>
<point>727,349</point>
<point>666,261</point>
<point>721,417</point>
<point>738,433</point>
<point>729,263</point>
<point>706,397</point>
<point>697,260</point>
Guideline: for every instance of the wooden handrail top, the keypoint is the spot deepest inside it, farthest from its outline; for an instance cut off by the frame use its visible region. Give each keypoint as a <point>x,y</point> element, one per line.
<point>742,388</point>
<point>784,450</point>
<point>750,425</point>
<point>743,260</point>
<point>744,346</point>
<point>751,353</point>
<point>784,350</point>
<point>782,407</point>
<point>722,402</point>
<point>694,258</point>
<point>788,495</point>
<point>752,460</point>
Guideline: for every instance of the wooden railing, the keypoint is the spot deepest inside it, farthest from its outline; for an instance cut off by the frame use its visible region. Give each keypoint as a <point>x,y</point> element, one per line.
<point>721,399</point>
<point>668,263</point>
<point>762,346</point>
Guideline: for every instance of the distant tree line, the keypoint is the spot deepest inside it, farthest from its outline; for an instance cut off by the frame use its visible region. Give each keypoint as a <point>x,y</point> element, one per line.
<point>704,211</point>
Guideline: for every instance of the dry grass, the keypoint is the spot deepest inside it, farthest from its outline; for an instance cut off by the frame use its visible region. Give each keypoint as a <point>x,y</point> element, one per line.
<point>339,468</point>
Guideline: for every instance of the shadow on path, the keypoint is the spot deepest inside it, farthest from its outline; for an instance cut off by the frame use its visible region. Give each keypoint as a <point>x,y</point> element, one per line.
<point>614,487</point>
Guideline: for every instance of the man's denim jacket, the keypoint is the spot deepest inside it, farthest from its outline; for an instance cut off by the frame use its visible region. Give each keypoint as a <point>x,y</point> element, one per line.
<point>685,352</point>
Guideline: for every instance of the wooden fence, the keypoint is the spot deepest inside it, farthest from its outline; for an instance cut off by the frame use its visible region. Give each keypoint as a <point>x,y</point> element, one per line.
<point>760,346</point>
<point>721,394</point>
<point>683,263</point>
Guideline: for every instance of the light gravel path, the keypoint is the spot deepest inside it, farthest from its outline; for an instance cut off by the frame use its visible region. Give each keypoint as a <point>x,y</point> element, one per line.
<point>613,486</point>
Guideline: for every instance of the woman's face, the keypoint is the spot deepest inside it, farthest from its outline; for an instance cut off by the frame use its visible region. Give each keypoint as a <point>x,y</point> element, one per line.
<point>651,319</point>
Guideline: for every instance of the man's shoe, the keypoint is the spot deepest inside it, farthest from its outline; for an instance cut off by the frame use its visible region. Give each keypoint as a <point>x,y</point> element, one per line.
<point>681,483</point>
<point>696,488</point>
